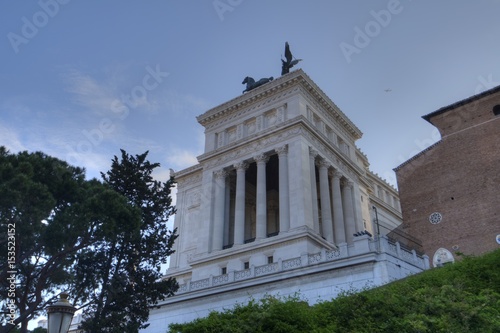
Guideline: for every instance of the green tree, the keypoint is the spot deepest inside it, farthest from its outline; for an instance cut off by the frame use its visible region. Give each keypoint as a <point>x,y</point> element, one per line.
<point>120,276</point>
<point>104,241</point>
<point>48,214</point>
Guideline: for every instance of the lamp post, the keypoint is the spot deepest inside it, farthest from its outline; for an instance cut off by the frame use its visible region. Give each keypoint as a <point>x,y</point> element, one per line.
<point>60,315</point>
<point>378,226</point>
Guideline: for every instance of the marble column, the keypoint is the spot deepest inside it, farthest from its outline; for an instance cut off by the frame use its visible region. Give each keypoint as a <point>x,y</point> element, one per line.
<point>338,212</point>
<point>350,226</point>
<point>358,210</point>
<point>227,213</point>
<point>219,210</point>
<point>326,211</point>
<point>261,227</point>
<point>284,193</point>
<point>239,214</point>
<point>314,192</point>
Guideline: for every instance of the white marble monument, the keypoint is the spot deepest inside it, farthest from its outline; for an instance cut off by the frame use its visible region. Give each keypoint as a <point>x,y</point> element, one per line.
<point>281,202</point>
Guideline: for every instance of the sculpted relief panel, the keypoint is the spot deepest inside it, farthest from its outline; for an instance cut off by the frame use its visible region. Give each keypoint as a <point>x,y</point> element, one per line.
<point>251,126</point>
<point>257,145</point>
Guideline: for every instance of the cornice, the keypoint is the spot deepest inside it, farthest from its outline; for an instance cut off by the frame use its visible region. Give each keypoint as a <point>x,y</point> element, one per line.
<point>258,246</point>
<point>331,152</point>
<point>380,180</point>
<point>331,108</point>
<point>268,139</point>
<point>273,99</point>
<point>187,171</point>
<point>250,145</point>
<point>249,98</point>
<point>460,103</point>
<point>298,77</point>
<point>386,206</point>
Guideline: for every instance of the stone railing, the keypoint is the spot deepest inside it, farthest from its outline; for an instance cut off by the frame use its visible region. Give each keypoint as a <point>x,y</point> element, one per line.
<point>362,245</point>
<point>408,255</point>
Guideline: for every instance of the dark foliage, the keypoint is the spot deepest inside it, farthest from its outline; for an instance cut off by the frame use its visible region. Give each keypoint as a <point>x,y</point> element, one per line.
<point>463,297</point>
<point>124,266</point>
<point>55,213</point>
<point>102,241</point>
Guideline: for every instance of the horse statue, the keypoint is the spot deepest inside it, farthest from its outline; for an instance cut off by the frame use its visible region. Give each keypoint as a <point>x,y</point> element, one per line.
<point>251,84</point>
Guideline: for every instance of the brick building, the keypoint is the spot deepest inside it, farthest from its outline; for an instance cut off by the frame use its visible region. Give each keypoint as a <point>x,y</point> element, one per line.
<point>450,192</point>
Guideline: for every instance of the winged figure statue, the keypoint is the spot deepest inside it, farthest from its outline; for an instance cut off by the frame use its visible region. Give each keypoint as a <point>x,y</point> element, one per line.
<point>289,62</point>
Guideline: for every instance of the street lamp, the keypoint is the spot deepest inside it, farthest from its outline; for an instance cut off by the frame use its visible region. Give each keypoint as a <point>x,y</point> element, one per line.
<point>60,315</point>
<point>378,227</point>
<point>376,220</point>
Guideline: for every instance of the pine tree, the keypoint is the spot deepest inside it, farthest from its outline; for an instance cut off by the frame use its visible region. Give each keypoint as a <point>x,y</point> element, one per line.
<point>48,214</point>
<point>124,268</point>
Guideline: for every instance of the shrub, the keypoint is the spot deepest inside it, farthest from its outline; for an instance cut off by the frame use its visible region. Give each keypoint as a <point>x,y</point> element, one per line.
<point>463,297</point>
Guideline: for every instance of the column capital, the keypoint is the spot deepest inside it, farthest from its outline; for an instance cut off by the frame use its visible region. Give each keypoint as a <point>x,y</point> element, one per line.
<point>313,152</point>
<point>240,165</point>
<point>337,174</point>
<point>220,174</point>
<point>324,163</point>
<point>283,150</point>
<point>261,158</point>
<point>348,183</point>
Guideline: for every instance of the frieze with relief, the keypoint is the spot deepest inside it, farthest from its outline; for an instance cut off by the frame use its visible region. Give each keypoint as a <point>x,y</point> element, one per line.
<point>340,119</point>
<point>258,145</point>
<point>193,198</point>
<point>331,156</point>
<point>188,180</point>
<point>250,126</point>
<point>250,109</point>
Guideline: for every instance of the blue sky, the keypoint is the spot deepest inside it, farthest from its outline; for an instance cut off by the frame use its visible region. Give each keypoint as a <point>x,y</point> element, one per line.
<point>81,79</point>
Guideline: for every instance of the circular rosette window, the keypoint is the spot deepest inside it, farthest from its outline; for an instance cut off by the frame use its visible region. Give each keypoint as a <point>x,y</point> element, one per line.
<point>435,218</point>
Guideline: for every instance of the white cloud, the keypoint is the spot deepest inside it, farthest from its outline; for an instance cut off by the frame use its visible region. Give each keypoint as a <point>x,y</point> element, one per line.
<point>94,163</point>
<point>10,139</point>
<point>89,92</point>
<point>115,90</point>
<point>180,104</point>
<point>161,174</point>
<point>75,132</point>
<point>179,159</point>
<point>51,144</point>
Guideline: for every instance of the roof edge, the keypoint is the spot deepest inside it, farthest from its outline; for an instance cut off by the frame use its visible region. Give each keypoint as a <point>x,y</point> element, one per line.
<point>297,76</point>
<point>414,157</point>
<point>455,105</point>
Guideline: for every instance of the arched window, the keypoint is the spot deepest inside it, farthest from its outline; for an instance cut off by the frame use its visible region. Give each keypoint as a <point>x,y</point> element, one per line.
<point>496,110</point>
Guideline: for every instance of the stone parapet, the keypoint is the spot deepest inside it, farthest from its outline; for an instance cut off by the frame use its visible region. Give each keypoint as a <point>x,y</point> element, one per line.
<point>362,246</point>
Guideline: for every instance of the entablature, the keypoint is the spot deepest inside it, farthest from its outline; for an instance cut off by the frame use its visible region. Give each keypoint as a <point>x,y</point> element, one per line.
<point>259,247</point>
<point>249,145</point>
<point>189,176</point>
<point>280,88</point>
